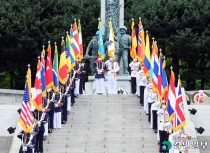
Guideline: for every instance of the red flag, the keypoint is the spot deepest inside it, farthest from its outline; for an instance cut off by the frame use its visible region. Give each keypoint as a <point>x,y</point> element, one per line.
<point>37,96</point>
<point>141,41</point>
<point>80,39</point>
<point>76,41</point>
<point>49,73</point>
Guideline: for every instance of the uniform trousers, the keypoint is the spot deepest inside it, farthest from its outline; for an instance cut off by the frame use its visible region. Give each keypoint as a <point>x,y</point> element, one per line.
<point>76,91</point>
<point>163,137</point>
<point>154,119</point>
<point>51,114</point>
<point>69,103</point>
<point>99,85</point>
<point>57,120</point>
<point>137,86</point>
<point>46,129</point>
<point>149,111</point>
<point>39,141</point>
<point>142,95</point>
<point>112,84</point>
<point>133,85</point>
<point>64,108</point>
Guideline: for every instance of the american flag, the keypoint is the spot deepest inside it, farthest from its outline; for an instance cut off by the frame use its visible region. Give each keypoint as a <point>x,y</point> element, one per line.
<point>25,116</point>
<point>179,119</point>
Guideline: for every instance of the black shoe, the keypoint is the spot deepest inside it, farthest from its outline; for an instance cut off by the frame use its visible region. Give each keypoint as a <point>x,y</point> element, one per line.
<point>72,104</point>
<point>63,122</point>
<point>155,131</point>
<point>49,130</point>
<point>44,138</point>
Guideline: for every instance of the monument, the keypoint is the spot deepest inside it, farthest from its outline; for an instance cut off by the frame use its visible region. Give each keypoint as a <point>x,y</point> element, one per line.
<point>113,9</point>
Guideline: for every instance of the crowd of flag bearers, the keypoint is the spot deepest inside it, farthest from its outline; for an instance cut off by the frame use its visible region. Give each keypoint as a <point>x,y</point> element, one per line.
<point>46,106</point>
<point>57,84</point>
<point>162,102</point>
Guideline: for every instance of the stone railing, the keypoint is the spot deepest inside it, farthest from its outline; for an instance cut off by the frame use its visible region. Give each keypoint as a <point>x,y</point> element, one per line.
<point>10,97</point>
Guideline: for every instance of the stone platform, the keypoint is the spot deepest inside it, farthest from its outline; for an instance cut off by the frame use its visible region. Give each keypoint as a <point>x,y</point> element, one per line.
<point>122,82</point>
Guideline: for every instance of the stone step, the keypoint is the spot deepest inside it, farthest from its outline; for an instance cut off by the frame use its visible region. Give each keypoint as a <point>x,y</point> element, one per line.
<point>104,124</point>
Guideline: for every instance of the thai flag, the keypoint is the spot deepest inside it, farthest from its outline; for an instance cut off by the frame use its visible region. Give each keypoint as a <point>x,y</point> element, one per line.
<point>171,96</point>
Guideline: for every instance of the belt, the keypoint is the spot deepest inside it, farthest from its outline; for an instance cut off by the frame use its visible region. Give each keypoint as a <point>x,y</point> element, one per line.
<point>163,121</point>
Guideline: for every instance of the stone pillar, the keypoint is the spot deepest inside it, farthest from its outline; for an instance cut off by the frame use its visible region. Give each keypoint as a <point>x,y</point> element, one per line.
<point>103,13</point>
<point>120,15</point>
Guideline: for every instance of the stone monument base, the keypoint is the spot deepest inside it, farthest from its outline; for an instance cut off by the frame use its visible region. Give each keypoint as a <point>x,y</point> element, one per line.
<point>123,82</point>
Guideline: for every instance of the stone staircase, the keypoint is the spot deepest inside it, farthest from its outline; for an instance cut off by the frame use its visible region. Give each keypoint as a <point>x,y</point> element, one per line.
<point>104,124</point>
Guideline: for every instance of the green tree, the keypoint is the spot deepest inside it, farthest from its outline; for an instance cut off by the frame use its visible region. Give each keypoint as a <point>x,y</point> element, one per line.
<point>27,25</point>
<point>181,28</point>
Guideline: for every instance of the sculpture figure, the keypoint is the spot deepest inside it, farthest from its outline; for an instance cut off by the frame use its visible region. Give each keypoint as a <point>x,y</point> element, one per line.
<point>124,48</point>
<point>92,51</point>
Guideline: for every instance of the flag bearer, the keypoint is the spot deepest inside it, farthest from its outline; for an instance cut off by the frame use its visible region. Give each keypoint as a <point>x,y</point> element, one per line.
<point>113,68</point>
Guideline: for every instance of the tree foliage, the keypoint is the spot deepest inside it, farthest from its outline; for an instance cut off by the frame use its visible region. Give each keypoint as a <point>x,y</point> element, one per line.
<point>27,25</point>
<point>181,28</point>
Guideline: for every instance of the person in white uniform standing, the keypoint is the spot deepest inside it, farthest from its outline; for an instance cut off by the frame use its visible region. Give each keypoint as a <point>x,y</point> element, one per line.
<point>99,76</point>
<point>112,67</point>
<point>134,66</point>
<point>164,126</point>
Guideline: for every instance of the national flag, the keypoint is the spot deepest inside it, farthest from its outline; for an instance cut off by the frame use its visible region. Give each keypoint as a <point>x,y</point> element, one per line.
<point>37,96</point>
<point>154,66</point>
<point>49,73</point>
<point>141,41</point>
<point>68,58</point>
<point>164,81</point>
<point>29,79</point>
<point>171,96</point>
<point>76,40</point>
<point>43,77</point>
<point>179,118</point>
<point>55,70</point>
<point>62,65</point>
<point>159,81</point>
<point>147,57</point>
<point>133,41</point>
<point>101,51</point>
<point>29,82</point>
<point>70,46</point>
<point>25,118</point>
<point>80,39</point>
<point>111,43</point>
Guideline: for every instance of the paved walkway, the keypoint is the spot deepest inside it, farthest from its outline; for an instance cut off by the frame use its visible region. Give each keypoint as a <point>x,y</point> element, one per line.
<point>101,124</point>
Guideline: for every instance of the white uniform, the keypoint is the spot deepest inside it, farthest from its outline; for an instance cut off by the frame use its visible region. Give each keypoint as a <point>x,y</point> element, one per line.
<point>147,91</point>
<point>142,83</point>
<point>113,68</point>
<point>155,106</point>
<point>164,126</point>
<point>134,68</point>
<point>139,75</point>
<point>152,97</point>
